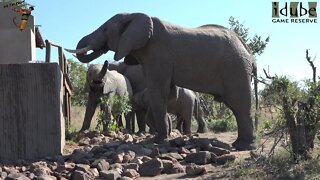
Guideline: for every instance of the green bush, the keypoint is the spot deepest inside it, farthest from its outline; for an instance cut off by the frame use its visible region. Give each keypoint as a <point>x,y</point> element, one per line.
<point>77,75</point>
<point>120,105</point>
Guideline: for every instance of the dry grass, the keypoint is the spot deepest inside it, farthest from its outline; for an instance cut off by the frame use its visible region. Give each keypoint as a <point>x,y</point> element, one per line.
<point>77,117</point>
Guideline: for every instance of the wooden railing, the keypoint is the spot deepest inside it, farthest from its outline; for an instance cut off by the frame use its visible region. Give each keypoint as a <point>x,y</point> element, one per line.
<point>66,81</point>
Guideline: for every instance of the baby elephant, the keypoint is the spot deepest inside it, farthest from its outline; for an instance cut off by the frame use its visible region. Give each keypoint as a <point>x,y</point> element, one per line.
<point>102,82</point>
<point>185,104</point>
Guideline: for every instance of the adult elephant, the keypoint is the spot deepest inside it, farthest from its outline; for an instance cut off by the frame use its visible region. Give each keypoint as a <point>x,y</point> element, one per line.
<point>210,59</point>
<point>102,82</point>
<point>184,106</point>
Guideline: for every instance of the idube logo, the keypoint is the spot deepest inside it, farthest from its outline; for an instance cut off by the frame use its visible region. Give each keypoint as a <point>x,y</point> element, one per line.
<point>294,12</point>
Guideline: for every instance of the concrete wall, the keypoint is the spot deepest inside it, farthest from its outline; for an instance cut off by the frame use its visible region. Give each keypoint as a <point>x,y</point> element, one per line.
<point>15,46</point>
<point>31,118</point>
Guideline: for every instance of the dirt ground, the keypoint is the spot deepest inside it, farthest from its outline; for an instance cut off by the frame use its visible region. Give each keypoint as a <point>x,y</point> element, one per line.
<point>213,171</point>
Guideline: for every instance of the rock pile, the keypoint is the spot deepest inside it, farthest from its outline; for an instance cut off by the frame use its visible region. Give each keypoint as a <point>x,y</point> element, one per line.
<point>124,156</point>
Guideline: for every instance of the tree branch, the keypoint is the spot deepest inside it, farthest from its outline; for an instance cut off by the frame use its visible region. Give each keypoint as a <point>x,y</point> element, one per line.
<point>267,74</point>
<point>314,69</point>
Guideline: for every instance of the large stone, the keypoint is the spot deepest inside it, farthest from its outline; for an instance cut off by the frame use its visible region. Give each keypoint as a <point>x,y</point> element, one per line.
<point>200,158</point>
<point>101,164</point>
<point>83,167</point>
<point>203,143</point>
<point>31,111</point>
<point>84,141</point>
<point>132,173</point>
<point>131,166</point>
<point>81,157</point>
<point>16,176</point>
<point>167,166</point>
<point>177,142</point>
<point>194,170</point>
<point>110,175</point>
<point>219,151</point>
<point>46,177</point>
<point>224,159</point>
<point>152,167</point>
<point>177,168</point>
<point>80,175</point>
<point>220,144</point>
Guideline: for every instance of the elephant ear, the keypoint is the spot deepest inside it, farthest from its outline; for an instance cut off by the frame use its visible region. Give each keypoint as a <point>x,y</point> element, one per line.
<point>136,34</point>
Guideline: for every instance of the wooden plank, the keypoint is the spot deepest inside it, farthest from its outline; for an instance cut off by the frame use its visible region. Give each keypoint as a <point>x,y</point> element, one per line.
<point>61,62</point>
<point>48,51</point>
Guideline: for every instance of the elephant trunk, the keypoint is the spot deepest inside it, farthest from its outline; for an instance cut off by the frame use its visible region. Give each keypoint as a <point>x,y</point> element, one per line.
<point>83,47</point>
<point>90,109</point>
<point>103,70</point>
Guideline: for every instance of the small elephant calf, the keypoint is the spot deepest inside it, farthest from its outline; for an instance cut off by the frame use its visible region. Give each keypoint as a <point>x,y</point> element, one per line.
<point>184,104</point>
<point>102,82</point>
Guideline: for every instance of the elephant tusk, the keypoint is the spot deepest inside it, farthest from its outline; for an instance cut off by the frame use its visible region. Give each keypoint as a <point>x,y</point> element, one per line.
<point>79,51</point>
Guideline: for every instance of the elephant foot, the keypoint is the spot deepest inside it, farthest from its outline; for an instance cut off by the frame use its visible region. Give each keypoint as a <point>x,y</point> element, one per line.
<point>202,130</point>
<point>243,145</point>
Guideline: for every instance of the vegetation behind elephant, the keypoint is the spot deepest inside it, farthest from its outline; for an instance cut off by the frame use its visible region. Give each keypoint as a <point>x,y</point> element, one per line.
<point>184,106</point>
<point>210,59</point>
<point>102,82</point>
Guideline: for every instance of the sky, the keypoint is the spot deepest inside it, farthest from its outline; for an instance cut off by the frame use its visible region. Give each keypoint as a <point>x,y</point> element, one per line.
<point>66,22</point>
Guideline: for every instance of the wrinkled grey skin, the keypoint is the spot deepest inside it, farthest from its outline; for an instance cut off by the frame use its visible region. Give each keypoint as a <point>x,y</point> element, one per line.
<point>185,106</point>
<point>210,59</point>
<point>102,82</point>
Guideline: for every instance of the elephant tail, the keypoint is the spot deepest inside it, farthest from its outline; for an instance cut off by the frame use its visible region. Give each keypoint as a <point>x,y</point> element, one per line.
<point>255,77</point>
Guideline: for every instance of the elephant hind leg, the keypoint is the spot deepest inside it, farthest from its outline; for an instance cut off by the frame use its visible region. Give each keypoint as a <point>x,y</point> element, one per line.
<point>240,104</point>
<point>186,117</point>
<point>179,123</point>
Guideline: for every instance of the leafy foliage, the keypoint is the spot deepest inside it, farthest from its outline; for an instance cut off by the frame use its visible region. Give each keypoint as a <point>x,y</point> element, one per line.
<point>300,112</point>
<point>119,105</point>
<point>77,74</point>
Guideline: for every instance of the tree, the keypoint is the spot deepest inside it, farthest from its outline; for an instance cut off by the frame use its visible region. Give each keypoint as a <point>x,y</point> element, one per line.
<point>300,111</point>
<point>256,44</point>
<point>77,75</point>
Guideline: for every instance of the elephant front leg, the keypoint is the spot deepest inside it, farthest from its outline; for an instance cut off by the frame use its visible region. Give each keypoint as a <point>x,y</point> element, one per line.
<point>141,120</point>
<point>107,118</point>
<point>150,121</point>
<point>90,109</point>
<point>159,109</point>
<point>130,122</point>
